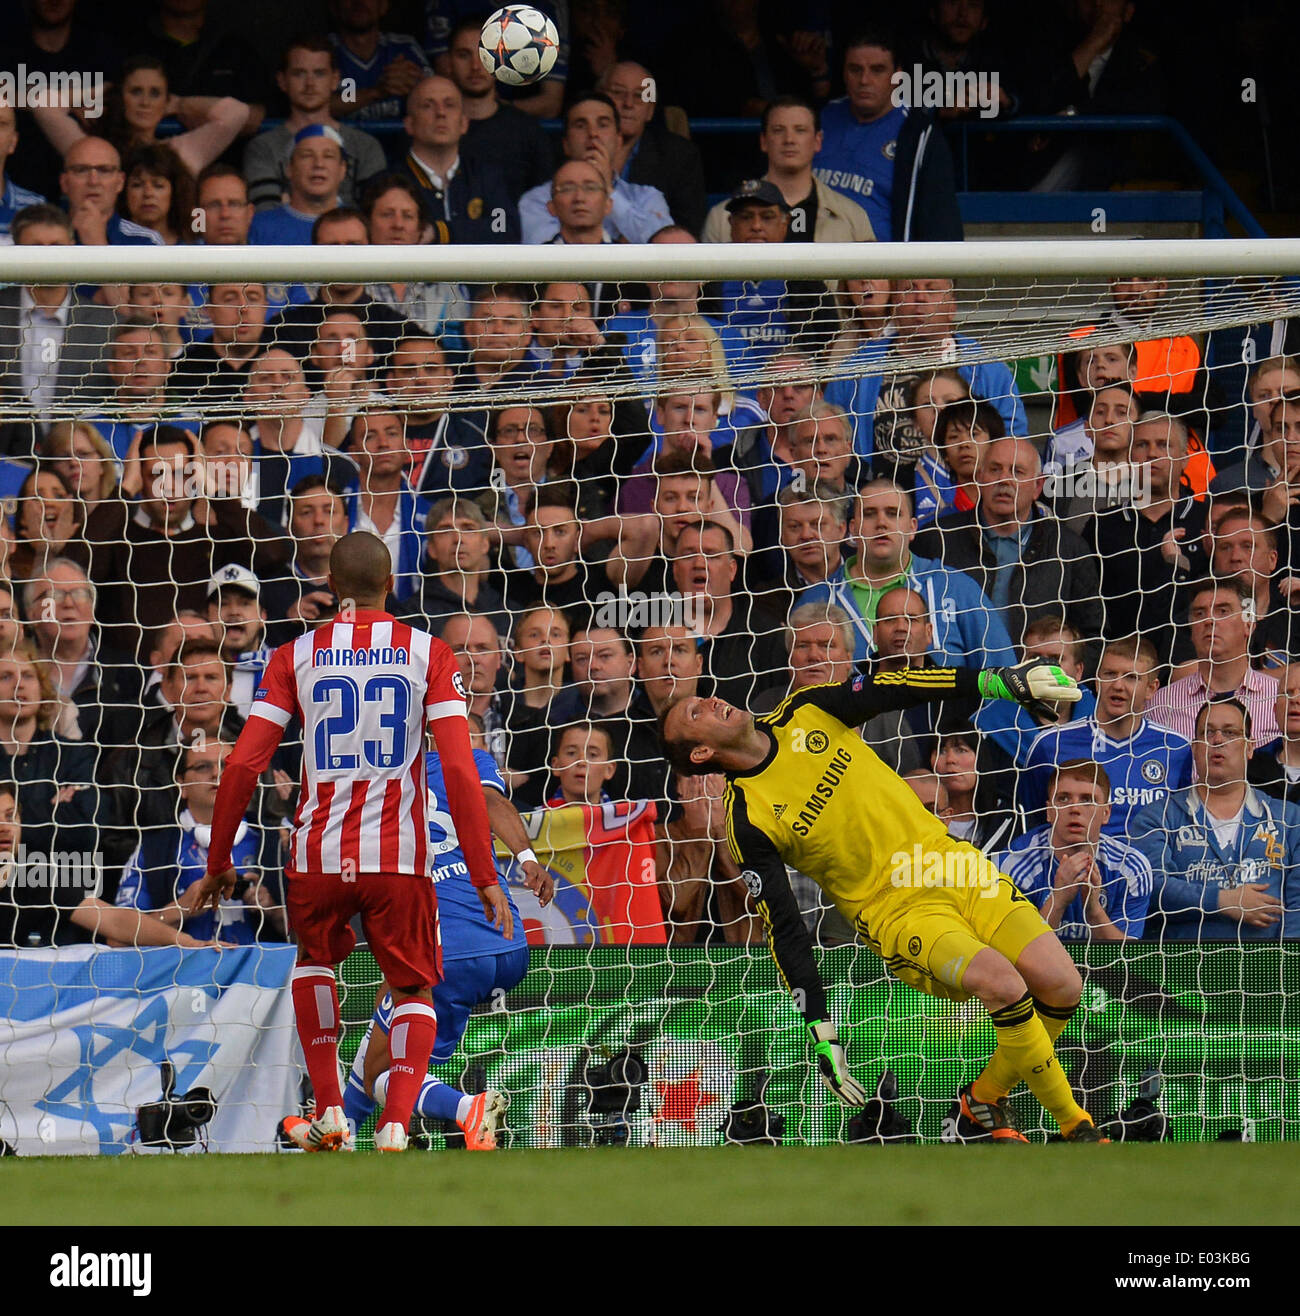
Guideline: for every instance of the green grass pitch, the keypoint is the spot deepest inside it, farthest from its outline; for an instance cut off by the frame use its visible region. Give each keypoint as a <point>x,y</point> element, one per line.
<point>1136,1184</point>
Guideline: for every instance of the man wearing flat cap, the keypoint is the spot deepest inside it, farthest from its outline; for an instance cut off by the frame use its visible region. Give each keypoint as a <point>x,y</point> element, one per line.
<point>772,315</point>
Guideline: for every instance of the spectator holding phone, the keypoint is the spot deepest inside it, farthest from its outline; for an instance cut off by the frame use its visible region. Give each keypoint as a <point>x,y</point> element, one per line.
<point>169,860</point>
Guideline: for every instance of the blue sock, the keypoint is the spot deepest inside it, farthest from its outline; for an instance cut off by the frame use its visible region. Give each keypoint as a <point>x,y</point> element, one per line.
<point>356,1105</point>
<point>438,1100</point>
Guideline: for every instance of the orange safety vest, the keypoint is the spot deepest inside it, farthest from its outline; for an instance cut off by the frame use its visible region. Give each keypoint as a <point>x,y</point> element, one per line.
<point>1163,365</point>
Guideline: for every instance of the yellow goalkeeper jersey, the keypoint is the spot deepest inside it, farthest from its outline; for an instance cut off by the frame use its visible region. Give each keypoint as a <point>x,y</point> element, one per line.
<point>822,802</point>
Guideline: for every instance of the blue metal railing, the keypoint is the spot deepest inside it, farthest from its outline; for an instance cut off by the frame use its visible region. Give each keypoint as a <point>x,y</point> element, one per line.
<point>1209,206</point>
<point>1215,189</point>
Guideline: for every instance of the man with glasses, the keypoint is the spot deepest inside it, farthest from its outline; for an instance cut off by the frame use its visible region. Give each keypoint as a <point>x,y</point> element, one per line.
<point>521,452</point>
<point>1226,858</point>
<point>169,860</point>
<point>92,180</point>
<point>649,153</point>
<point>580,202</point>
<point>227,210</point>
<point>102,687</point>
<point>591,133</point>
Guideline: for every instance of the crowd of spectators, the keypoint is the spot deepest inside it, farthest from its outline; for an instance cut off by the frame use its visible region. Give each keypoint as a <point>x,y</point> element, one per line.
<point>604,497</point>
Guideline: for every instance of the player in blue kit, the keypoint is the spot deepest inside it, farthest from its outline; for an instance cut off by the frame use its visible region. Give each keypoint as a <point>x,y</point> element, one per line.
<point>1143,760</point>
<point>479,961</point>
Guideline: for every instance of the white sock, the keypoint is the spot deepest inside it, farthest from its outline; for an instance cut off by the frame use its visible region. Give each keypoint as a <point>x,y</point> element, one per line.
<point>381,1090</point>
<point>462,1109</point>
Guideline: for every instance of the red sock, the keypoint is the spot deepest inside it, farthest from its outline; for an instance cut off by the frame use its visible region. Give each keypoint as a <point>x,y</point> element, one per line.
<point>410,1044</point>
<point>316,1010</point>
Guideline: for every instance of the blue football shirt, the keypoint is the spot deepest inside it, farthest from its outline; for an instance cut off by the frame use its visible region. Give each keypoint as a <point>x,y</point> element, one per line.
<point>857,160</point>
<point>465,929</point>
<point>1142,769</point>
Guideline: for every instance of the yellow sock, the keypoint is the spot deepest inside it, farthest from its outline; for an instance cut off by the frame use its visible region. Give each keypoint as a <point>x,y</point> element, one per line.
<point>1000,1075</point>
<point>1054,1017</point>
<point>1026,1046</point>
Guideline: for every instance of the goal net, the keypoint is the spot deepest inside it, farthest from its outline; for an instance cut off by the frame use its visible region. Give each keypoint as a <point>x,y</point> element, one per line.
<point>611,479</point>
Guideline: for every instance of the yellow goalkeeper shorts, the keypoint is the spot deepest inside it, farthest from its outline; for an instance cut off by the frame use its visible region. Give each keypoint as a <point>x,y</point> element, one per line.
<point>929,924</point>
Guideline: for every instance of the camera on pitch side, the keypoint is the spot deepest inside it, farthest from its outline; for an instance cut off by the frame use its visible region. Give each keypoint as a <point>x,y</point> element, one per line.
<point>174,1122</point>
<point>753,1121</point>
<point>1141,1120</point>
<point>613,1094</point>
<point>880,1120</point>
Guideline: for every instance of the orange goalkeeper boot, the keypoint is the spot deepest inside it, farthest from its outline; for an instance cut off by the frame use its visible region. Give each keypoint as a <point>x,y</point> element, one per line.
<point>981,1121</point>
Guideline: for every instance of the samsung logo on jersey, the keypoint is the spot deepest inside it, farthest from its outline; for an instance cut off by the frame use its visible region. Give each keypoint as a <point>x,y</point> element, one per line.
<point>841,178</point>
<point>822,792</point>
<point>1136,795</point>
<point>764,333</point>
<point>359,657</point>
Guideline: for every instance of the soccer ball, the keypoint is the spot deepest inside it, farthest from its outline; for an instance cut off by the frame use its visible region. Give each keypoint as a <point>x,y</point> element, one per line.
<point>518,45</point>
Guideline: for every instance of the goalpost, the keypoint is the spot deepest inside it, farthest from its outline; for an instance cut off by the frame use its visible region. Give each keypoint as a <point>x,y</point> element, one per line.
<point>651,1014</point>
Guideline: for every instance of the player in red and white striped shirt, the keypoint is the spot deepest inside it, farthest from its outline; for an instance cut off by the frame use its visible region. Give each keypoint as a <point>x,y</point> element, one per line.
<point>366,688</point>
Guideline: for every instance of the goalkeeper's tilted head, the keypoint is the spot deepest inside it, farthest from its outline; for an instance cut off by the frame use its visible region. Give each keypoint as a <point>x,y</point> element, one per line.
<point>700,736</point>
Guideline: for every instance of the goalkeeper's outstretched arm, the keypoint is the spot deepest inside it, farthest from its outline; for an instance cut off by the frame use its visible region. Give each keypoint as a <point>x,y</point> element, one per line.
<point>1035,684</point>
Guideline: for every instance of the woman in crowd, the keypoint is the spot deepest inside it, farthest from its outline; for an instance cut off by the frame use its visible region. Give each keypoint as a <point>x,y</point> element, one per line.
<point>48,521</point>
<point>945,475</point>
<point>537,700</point>
<point>78,452</point>
<point>139,103</point>
<point>598,440</point>
<point>865,306</point>
<point>159,192</point>
<point>978,787</point>
<point>690,350</point>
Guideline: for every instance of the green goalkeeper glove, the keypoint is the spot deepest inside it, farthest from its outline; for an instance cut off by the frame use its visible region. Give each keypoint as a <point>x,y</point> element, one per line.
<point>832,1065</point>
<point>1034,685</point>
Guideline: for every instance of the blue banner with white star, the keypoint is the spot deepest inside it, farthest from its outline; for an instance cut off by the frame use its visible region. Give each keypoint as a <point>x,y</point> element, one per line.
<point>85,1030</point>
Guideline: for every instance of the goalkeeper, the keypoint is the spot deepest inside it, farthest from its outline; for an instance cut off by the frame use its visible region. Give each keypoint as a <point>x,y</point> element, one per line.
<point>804,790</point>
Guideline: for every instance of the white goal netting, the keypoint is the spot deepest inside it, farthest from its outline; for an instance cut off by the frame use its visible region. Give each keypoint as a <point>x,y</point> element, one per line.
<point>612,480</point>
